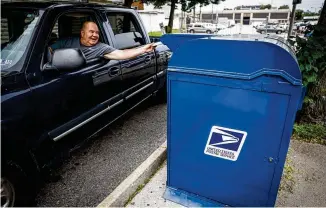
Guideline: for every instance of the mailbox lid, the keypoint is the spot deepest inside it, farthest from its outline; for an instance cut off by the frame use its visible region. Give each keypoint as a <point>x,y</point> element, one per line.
<point>174,41</point>
<point>238,57</point>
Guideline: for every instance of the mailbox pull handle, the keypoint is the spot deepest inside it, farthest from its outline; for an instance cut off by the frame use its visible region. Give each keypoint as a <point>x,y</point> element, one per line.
<point>275,72</point>
<point>262,72</point>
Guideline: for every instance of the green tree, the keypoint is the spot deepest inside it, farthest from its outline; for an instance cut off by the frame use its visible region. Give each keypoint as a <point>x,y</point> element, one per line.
<point>186,6</point>
<point>284,7</point>
<point>128,3</point>
<point>267,6</point>
<point>310,13</point>
<point>298,14</point>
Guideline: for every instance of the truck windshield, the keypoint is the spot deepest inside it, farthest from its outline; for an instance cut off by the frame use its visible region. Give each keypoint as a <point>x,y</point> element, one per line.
<point>17,27</point>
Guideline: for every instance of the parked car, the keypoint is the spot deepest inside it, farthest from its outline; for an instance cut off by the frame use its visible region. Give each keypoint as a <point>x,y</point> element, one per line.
<point>200,27</point>
<point>257,24</point>
<point>220,26</point>
<point>284,26</point>
<point>44,102</point>
<point>260,25</point>
<point>269,29</point>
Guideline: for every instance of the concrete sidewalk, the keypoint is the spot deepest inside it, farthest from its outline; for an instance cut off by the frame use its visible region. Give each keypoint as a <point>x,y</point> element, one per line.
<point>305,184</point>
<point>152,194</point>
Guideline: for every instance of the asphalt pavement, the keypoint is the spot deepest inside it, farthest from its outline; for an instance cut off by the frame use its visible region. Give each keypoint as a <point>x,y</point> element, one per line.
<point>95,169</point>
<point>309,182</point>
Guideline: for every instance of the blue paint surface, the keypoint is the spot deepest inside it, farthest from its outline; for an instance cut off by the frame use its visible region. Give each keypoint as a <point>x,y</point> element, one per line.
<point>174,41</point>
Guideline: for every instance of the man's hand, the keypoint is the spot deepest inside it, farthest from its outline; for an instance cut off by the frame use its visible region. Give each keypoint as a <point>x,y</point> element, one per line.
<point>148,48</point>
<point>129,53</point>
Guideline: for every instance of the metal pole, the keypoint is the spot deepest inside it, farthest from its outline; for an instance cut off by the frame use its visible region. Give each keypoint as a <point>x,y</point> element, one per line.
<point>216,18</point>
<point>292,20</point>
<point>267,20</point>
<point>212,12</point>
<point>200,19</point>
<point>194,20</point>
<point>182,19</point>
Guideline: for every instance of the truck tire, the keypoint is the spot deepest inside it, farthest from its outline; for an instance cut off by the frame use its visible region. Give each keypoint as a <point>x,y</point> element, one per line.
<point>191,31</point>
<point>16,188</point>
<point>208,32</point>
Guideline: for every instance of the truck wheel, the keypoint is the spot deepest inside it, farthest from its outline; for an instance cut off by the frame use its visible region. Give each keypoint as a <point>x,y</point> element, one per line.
<point>16,189</point>
<point>7,193</point>
<point>208,32</point>
<point>191,31</point>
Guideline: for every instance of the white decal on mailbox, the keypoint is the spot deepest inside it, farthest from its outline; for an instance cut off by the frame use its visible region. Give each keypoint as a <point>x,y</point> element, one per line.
<point>225,143</point>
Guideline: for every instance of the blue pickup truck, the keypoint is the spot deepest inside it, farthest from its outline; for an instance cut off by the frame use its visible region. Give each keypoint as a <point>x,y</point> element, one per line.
<point>44,105</point>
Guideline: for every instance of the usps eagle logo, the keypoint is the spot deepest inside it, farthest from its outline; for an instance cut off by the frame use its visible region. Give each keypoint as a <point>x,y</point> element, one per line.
<point>225,143</point>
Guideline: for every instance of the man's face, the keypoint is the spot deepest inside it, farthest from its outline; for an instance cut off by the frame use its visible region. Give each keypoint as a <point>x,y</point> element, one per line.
<point>90,34</point>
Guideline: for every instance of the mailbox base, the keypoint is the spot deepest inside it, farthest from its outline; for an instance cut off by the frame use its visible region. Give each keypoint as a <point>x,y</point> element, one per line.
<point>188,199</point>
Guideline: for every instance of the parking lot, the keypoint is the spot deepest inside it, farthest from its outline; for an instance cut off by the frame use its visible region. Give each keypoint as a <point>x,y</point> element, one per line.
<point>244,29</point>
<point>95,169</point>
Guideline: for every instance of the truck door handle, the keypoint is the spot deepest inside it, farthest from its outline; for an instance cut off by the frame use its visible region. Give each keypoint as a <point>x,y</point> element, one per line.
<point>148,59</point>
<point>114,71</point>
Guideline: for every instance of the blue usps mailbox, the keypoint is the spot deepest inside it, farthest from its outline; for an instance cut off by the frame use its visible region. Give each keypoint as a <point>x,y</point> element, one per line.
<point>232,103</point>
<point>174,41</point>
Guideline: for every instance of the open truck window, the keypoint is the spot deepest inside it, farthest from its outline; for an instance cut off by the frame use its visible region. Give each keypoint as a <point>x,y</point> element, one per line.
<point>69,25</point>
<point>127,31</point>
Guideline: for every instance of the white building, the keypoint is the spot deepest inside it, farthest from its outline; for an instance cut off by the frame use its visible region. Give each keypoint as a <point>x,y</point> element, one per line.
<point>247,17</point>
<point>152,19</point>
<point>149,16</point>
<point>310,18</point>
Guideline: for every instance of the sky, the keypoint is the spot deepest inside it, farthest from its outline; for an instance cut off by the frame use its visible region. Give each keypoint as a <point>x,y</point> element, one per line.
<point>311,5</point>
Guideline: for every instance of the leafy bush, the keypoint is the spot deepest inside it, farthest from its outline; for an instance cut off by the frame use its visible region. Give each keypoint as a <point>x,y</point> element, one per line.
<point>155,34</point>
<point>159,33</point>
<point>311,55</point>
<point>315,133</point>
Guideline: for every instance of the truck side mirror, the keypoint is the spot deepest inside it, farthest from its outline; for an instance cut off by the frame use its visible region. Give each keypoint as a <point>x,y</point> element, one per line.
<point>154,39</point>
<point>70,59</point>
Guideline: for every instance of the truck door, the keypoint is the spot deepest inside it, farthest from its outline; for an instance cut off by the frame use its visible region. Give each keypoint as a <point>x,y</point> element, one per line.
<point>138,74</point>
<point>67,101</point>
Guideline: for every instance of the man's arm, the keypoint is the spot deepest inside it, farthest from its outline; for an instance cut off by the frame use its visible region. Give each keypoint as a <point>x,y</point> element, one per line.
<point>128,53</point>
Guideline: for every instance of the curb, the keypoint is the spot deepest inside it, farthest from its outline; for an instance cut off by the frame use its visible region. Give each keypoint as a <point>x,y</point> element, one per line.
<point>121,194</point>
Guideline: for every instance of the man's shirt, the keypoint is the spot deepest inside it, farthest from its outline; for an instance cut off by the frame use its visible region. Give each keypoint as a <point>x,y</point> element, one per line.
<point>90,52</point>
